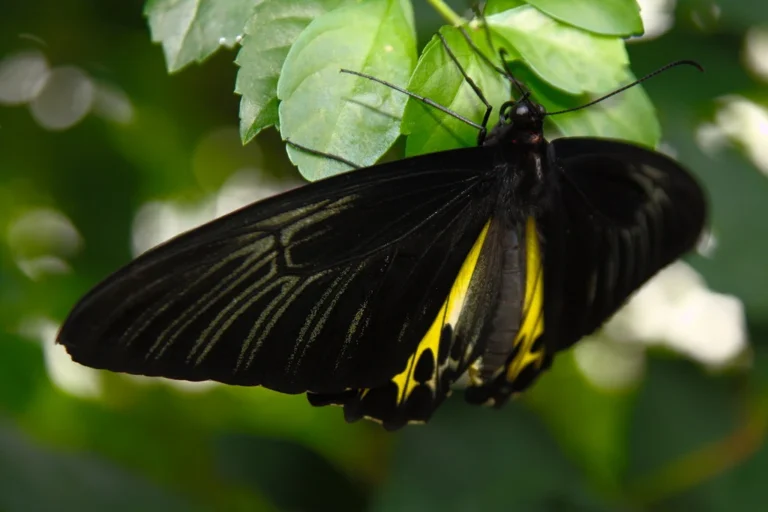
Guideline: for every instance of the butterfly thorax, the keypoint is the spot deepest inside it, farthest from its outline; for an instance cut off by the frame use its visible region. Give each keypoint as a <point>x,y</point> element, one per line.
<point>522,159</point>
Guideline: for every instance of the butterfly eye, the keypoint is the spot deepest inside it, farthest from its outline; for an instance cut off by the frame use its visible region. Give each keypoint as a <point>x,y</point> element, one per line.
<point>542,110</point>
<point>522,110</point>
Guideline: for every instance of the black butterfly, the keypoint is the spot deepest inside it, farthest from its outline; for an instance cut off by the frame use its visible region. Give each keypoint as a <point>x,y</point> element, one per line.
<point>380,288</point>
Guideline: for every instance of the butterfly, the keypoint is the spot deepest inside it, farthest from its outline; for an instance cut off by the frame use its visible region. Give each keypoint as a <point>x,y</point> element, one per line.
<point>382,288</point>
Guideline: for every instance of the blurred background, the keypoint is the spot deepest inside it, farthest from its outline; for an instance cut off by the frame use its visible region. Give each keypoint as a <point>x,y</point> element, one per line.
<point>103,155</point>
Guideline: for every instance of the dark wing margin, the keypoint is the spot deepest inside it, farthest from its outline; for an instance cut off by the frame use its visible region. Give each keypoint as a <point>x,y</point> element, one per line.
<point>325,288</point>
<point>627,213</point>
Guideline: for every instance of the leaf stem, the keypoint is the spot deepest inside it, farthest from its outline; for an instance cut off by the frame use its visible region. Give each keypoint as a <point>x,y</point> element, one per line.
<point>446,12</point>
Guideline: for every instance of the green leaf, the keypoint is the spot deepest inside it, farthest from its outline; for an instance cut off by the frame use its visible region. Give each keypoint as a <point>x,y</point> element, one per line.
<point>192,30</point>
<point>496,6</point>
<point>341,114</point>
<point>269,34</point>
<point>629,115</point>
<point>609,17</point>
<point>568,58</point>
<point>438,78</point>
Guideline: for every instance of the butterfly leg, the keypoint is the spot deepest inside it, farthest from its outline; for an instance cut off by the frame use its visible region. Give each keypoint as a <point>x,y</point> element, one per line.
<point>321,153</point>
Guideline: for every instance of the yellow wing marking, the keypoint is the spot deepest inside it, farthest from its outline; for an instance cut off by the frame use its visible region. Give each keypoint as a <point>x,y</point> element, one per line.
<point>448,314</point>
<point>533,306</point>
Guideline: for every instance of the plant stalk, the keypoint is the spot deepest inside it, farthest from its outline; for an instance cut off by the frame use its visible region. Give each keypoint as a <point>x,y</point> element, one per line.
<point>446,12</point>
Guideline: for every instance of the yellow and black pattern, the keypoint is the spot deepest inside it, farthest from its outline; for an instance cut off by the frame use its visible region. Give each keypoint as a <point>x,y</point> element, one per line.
<point>515,353</point>
<point>412,395</point>
<point>422,367</point>
<point>528,354</point>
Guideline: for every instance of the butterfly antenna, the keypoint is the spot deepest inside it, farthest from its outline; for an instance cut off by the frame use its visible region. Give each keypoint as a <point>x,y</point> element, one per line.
<point>524,93</point>
<point>502,70</point>
<point>480,14</point>
<point>480,54</point>
<point>419,97</point>
<point>636,82</point>
<point>479,93</point>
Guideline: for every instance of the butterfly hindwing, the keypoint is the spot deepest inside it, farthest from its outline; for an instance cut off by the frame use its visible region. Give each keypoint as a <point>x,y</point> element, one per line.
<point>455,338</point>
<point>626,213</point>
<point>328,288</point>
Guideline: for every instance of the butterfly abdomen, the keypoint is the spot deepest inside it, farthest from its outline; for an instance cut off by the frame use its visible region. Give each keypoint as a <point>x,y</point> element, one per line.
<point>514,351</point>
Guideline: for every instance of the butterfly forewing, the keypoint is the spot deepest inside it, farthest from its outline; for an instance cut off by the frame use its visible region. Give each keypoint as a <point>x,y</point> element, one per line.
<point>626,213</point>
<point>326,288</point>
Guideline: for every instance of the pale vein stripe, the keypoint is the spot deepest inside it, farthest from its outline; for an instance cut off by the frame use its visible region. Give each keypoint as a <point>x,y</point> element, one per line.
<point>128,336</point>
<point>285,302</point>
<point>239,275</point>
<point>224,313</point>
<point>282,282</point>
<point>277,221</point>
<point>293,359</point>
<point>321,323</point>
<point>353,326</point>
<point>310,220</point>
<point>244,307</point>
<point>243,271</point>
<point>287,253</point>
<point>150,314</point>
<point>233,318</point>
<point>315,311</point>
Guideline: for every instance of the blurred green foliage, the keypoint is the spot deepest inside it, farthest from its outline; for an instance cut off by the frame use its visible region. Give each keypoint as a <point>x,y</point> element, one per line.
<point>683,439</point>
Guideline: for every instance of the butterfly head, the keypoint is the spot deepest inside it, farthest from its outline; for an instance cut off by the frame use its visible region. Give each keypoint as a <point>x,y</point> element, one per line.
<point>521,122</point>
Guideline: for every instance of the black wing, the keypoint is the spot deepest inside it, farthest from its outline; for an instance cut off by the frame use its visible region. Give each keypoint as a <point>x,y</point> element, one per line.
<point>325,288</point>
<point>627,213</point>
